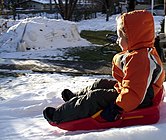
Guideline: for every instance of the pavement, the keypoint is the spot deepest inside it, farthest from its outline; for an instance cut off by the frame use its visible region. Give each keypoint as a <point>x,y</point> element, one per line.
<point>55,66</point>
<point>20,67</point>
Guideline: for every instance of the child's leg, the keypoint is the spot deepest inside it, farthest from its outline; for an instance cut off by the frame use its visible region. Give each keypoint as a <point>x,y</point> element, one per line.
<point>82,106</point>
<point>100,84</point>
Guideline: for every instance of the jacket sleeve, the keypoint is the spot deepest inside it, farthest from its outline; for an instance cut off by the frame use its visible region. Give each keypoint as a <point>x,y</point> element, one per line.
<point>135,81</point>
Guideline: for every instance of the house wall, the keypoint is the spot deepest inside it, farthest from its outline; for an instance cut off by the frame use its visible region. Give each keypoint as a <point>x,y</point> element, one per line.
<point>37,5</point>
<point>33,5</point>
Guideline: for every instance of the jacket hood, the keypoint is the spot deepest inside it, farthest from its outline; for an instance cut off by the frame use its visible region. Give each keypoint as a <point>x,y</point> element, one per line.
<point>139,29</point>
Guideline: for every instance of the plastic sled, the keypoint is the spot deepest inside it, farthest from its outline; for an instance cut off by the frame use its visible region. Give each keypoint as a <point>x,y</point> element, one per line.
<point>144,116</point>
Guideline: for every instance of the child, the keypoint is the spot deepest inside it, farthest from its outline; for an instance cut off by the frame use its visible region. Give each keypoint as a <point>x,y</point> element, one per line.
<point>138,72</point>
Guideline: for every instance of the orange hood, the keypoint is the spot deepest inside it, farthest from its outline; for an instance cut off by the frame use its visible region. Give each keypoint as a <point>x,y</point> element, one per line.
<point>139,28</point>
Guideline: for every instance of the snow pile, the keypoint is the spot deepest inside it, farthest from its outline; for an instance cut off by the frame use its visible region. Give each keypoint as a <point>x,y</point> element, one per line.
<point>41,34</point>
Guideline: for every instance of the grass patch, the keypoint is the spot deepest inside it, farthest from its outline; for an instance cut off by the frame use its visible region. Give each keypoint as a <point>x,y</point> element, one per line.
<point>96,37</point>
<point>89,53</point>
<point>93,53</point>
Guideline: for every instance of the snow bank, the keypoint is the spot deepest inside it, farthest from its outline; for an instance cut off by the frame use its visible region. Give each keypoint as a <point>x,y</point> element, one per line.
<point>41,33</point>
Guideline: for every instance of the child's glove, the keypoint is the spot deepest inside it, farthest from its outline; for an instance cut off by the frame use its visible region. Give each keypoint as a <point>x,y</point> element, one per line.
<point>111,112</point>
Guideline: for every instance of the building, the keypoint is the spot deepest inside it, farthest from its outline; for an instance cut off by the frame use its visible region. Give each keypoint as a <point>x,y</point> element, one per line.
<point>37,4</point>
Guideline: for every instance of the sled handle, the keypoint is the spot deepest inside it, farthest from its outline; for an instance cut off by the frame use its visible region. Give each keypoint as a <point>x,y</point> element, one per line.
<point>96,114</point>
<point>132,117</point>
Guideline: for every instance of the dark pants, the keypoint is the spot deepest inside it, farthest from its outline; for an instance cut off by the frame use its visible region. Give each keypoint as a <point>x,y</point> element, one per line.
<point>87,102</point>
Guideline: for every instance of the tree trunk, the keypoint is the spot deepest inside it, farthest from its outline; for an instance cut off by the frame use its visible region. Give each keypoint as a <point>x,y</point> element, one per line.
<point>14,9</point>
<point>66,9</point>
<point>131,5</point>
<point>109,7</point>
<point>1,5</point>
<point>51,5</point>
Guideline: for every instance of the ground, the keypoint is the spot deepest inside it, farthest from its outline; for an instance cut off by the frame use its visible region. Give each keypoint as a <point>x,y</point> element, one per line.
<point>70,67</point>
<point>75,61</point>
<point>59,66</point>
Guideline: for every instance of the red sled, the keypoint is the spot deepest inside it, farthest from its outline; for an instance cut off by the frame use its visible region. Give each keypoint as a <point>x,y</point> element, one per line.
<point>144,116</point>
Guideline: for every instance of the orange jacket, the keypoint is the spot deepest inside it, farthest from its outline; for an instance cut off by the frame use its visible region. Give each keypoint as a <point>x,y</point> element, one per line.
<point>140,66</point>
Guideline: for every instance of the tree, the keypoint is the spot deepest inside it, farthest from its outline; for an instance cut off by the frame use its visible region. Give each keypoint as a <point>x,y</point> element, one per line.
<point>1,5</point>
<point>107,7</point>
<point>51,5</point>
<point>160,1</point>
<point>13,6</point>
<point>66,8</point>
<point>131,5</point>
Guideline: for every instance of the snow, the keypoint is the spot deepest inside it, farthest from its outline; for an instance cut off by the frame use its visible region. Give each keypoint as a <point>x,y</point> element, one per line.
<point>42,33</point>
<point>23,98</point>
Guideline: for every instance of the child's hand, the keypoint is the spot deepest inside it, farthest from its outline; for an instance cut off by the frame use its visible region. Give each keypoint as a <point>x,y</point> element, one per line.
<point>111,112</point>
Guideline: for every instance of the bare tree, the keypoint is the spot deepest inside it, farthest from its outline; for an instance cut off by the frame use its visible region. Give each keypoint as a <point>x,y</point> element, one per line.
<point>131,5</point>
<point>50,5</point>
<point>1,4</point>
<point>107,7</point>
<point>13,6</point>
<point>66,8</point>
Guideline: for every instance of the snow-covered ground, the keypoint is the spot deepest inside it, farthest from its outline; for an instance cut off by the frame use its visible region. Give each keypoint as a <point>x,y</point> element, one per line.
<point>25,97</point>
<point>22,99</point>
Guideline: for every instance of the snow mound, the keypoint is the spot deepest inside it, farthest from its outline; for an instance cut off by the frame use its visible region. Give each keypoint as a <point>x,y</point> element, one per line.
<point>40,34</point>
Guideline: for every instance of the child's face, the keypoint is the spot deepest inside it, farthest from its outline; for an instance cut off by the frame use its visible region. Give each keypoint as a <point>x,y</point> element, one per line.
<point>122,40</point>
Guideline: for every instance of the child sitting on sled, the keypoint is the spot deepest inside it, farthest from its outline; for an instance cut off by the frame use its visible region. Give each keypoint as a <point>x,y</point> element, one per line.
<point>137,70</point>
